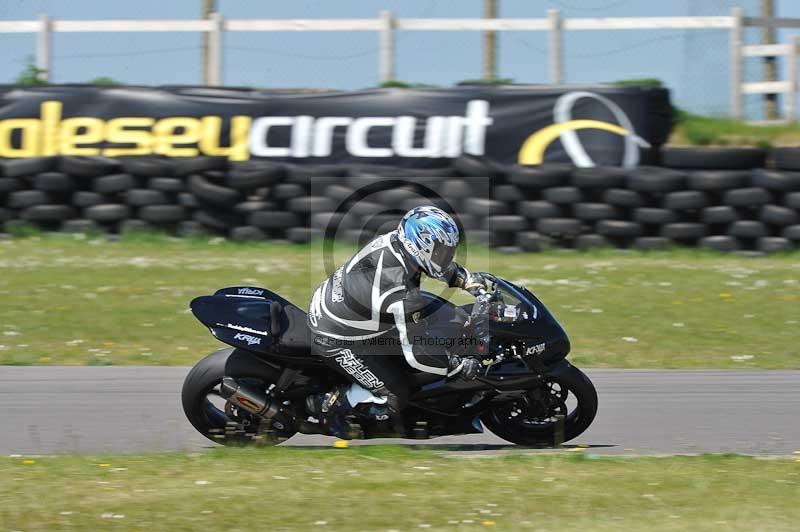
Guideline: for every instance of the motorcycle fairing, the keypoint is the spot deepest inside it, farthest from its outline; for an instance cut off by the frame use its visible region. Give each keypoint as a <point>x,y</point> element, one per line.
<point>542,336</point>
<point>243,317</point>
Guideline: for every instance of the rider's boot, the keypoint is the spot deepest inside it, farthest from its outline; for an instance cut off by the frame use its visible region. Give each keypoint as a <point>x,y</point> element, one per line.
<point>383,406</point>
<point>332,409</point>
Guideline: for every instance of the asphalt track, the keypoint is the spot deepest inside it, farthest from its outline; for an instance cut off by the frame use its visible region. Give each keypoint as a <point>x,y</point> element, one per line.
<point>137,409</point>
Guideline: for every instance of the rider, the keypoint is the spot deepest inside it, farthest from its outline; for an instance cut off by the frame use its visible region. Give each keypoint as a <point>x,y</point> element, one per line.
<point>361,316</point>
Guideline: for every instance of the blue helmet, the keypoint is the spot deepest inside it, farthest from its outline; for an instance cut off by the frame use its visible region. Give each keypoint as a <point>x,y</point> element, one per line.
<point>430,236</point>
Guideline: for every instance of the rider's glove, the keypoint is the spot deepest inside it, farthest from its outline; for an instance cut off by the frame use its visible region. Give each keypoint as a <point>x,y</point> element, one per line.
<point>475,284</point>
<point>466,368</point>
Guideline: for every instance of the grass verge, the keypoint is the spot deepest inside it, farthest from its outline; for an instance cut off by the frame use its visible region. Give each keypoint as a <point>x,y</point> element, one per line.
<point>382,488</point>
<point>88,301</point>
<point>698,130</point>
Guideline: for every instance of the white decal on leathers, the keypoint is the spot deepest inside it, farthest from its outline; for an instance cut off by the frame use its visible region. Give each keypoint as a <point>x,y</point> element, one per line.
<point>397,255</point>
<point>374,323</point>
<point>456,369</point>
<point>315,308</point>
<point>357,394</point>
<point>378,243</point>
<point>398,311</point>
<point>356,368</point>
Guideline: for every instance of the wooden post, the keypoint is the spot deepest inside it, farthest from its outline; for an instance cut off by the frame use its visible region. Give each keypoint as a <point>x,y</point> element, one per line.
<point>215,51</point>
<point>736,62</point>
<point>555,42</point>
<point>770,61</point>
<point>386,66</point>
<point>43,49</point>
<point>791,97</point>
<point>489,42</point>
<point>209,7</point>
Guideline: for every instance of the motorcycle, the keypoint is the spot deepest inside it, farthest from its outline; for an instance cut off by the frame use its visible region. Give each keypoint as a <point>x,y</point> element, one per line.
<point>255,392</point>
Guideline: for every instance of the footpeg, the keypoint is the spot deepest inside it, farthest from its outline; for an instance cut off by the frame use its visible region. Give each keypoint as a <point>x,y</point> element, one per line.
<point>420,431</point>
<point>356,432</point>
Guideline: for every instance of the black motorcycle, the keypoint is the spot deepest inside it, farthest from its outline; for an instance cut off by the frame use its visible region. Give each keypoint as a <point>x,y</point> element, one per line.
<point>256,391</point>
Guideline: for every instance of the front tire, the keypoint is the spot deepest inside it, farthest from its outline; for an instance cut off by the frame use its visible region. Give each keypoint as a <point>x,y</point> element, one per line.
<point>530,421</point>
<point>212,416</point>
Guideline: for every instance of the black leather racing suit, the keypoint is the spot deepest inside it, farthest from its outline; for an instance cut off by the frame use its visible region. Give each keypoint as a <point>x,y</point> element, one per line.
<point>361,317</point>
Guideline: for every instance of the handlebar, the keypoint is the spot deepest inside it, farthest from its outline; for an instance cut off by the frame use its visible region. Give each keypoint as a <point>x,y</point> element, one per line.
<point>479,316</point>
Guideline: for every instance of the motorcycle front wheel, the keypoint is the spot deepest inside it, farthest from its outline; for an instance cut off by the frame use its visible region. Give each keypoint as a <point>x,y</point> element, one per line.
<point>533,419</point>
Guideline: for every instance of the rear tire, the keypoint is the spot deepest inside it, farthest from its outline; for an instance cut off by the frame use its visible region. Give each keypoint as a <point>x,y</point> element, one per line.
<point>543,435</point>
<point>208,418</point>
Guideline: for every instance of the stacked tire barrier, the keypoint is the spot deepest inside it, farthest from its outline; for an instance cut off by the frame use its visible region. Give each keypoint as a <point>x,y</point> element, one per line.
<point>720,198</point>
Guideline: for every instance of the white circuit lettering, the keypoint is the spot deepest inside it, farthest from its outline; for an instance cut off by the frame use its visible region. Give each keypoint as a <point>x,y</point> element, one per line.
<point>445,136</point>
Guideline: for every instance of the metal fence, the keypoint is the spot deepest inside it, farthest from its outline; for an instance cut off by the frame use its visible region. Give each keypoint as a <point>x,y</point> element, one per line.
<point>387,25</point>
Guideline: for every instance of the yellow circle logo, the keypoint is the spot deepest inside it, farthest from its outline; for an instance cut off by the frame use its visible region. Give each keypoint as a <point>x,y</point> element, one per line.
<point>533,149</point>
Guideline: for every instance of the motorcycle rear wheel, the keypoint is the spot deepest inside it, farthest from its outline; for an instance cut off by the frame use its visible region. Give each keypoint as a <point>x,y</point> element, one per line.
<point>532,421</point>
<point>215,419</point>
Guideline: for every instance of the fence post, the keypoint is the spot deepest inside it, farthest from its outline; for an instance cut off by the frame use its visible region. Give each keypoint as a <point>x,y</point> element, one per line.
<point>43,49</point>
<point>387,46</point>
<point>791,98</point>
<point>554,46</point>
<point>736,61</point>
<point>215,50</point>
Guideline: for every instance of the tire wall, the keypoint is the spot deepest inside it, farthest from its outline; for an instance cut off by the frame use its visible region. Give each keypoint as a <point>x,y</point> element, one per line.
<point>727,199</point>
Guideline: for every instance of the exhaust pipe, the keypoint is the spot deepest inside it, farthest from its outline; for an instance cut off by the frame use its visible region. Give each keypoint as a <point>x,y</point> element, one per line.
<point>248,398</point>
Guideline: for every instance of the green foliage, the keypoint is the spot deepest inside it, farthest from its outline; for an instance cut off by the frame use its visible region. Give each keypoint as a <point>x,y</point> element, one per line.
<point>105,81</point>
<point>495,81</point>
<point>639,82</point>
<point>29,77</point>
<point>15,362</point>
<point>95,361</point>
<point>397,84</point>
<point>699,130</point>
<point>21,229</point>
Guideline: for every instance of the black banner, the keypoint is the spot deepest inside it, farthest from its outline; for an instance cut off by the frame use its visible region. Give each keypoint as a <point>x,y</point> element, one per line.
<point>596,125</point>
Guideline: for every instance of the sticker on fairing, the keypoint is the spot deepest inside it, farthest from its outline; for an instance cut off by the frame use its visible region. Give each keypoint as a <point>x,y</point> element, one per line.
<point>250,292</point>
<point>535,349</point>
<point>251,340</point>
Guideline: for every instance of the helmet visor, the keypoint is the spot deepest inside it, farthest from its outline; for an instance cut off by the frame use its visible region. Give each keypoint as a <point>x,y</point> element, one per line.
<point>441,257</point>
